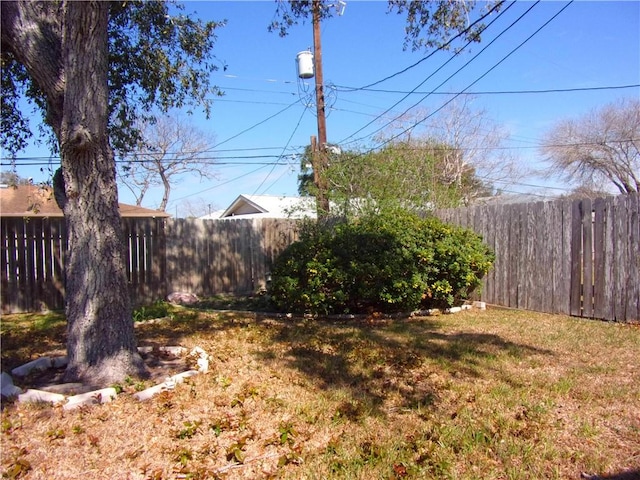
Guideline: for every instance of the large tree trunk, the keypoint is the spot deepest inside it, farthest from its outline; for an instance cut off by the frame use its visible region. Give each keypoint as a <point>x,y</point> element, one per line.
<point>101,343</point>
<point>64,47</point>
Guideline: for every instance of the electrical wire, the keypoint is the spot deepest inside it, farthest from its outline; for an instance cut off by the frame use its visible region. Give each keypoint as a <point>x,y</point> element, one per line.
<point>217,160</point>
<point>503,92</point>
<point>273,165</point>
<point>479,78</point>
<point>497,6</point>
<point>235,179</point>
<point>256,125</point>
<point>436,71</point>
<point>283,150</point>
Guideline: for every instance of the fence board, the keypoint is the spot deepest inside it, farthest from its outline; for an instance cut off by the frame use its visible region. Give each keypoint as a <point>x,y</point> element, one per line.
<point>513,253</point>
<point>599,258</point>
<point>620,256</point>
<point>544,254</point>
<point>576,259</point>
<point>583,255</point>
<point>633,278</point>
<point>554,230</point>
<point>587,258</point>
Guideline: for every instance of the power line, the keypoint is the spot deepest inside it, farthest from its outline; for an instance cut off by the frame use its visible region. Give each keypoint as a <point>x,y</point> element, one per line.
<point>436,71</point>
<point>522,184</point>
<point>222,161</point>
<point>218,185</point>
<point>272,164</point>
<point>256,90</point>
<point>503,92</point>
<point>257,124</point>
<point>283,150</point>
<point>481,76</point>
<point>214,161</point>
<point>441,48</point>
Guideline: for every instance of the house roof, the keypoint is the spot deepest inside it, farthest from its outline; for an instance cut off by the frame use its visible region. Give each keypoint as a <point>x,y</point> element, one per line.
<point>38,201</point>
<point>510,199</point>
<point>268,206</point>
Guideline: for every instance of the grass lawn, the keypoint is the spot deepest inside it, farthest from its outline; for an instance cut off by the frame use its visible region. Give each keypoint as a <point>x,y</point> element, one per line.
<point>494,394</point>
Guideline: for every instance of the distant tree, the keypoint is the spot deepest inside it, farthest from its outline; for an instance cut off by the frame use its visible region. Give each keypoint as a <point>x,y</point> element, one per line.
<point>466,142</point>
<point>411,174</point>
<point>585,191</point>
<point>196,207</point>
<point>169,148</point>
<point>599,150</point>
<point>305,177</point>
<point>13,179</point>
<point>93,69</point>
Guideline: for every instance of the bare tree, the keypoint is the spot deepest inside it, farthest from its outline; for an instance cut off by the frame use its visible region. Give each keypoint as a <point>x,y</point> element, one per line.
<point>170,149</point>
<point>599,149</point>
<point>465,140</point>
<point>475,140</point>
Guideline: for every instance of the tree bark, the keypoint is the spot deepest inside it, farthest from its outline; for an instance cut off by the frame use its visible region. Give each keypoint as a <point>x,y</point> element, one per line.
<point>101,341</point>
<point>67,56</point>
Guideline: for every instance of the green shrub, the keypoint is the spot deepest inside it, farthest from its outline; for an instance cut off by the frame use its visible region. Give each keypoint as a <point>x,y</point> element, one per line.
<point>389,262</point>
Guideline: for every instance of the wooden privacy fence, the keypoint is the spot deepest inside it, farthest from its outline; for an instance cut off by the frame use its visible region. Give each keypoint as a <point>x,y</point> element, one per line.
<point>33,253</point>
<point>163,255</point>
<point>577,257</point>
<point>224,256</point>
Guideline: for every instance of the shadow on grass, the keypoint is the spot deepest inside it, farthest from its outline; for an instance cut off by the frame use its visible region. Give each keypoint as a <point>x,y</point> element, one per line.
<point>27,336</point>
<point>410,360</point>
<point>627,475</point>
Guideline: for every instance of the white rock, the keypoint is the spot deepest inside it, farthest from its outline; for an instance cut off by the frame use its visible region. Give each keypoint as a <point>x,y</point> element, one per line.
<point>480,305</point>
<point>32,395</point>
<point>170,384</point>
<point>104,395</point>
<point>10,391</point>
<point>59,362</point>
<point>175,351</point>
<point>183,298</point>
<point>7,388</point>
<point>5,379</point>
<point>453,310</point>
<point>179,378</point>
<point>41,363</point>
<point>149,392</point>
<point>203,365</point>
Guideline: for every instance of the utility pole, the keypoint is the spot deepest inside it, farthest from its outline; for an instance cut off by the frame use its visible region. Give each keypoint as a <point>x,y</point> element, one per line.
<point>320,152</point>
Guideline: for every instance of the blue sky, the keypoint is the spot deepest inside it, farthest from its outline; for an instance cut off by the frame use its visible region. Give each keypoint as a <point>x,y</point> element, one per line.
<point>263,113</point>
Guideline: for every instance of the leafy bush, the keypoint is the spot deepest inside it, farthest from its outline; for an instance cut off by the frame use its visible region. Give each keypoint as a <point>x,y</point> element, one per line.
<point>389,262</point>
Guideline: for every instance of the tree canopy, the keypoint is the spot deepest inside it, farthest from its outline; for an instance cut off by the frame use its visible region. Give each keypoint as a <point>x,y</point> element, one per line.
<point>159,59</point>
<point>411,175</point>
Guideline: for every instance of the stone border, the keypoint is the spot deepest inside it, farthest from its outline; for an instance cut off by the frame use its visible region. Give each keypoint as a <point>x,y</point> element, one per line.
<point>363,316</point>
<point>103,395</point>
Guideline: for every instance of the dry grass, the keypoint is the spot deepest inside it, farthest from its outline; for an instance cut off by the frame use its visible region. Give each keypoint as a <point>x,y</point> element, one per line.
<point>478,395</point>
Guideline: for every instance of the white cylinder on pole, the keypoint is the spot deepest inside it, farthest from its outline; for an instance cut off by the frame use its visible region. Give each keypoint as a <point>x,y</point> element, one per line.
<point>304,62</point>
